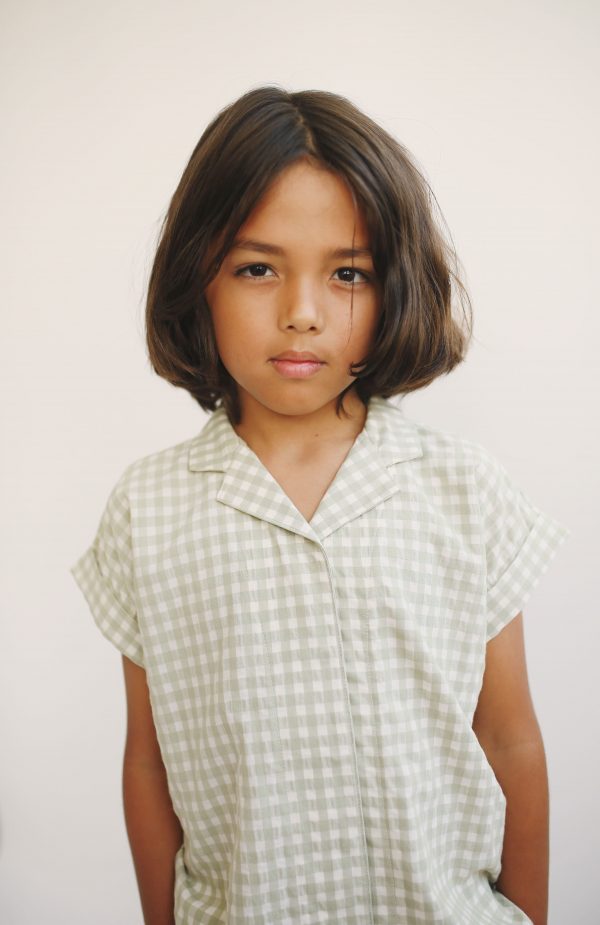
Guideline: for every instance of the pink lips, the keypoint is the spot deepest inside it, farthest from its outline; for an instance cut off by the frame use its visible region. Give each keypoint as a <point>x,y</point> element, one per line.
<point>296,364</point>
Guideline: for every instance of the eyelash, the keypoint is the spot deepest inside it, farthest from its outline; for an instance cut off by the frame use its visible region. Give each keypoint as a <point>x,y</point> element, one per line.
<point>249,266</point>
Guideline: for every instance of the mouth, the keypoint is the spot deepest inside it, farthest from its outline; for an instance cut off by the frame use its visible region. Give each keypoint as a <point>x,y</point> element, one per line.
<point>292,365</point>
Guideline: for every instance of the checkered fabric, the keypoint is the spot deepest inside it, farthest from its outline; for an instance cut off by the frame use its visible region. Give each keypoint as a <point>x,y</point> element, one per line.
<point>313,684</point>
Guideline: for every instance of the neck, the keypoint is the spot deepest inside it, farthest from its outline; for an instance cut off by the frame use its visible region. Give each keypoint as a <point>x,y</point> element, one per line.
<point>301,435</point>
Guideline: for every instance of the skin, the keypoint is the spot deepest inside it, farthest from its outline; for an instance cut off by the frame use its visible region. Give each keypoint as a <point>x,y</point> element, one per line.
<point>153,829</point>
<point>299,299</point>
<point>507,729</point>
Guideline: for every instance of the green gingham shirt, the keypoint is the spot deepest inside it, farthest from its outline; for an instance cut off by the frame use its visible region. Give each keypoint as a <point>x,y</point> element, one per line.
<point>313,684</point>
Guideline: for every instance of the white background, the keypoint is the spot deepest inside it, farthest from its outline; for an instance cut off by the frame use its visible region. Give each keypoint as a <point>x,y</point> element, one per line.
<point>102,104</point>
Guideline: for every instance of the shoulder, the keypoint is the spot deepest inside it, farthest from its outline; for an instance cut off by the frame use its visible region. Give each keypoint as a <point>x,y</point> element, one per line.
<point>463,469</point>
<point>445,445</point>
<point>443,466</point>
<point>439,457</point>
<point>447,449</point>
<point>163,471</point>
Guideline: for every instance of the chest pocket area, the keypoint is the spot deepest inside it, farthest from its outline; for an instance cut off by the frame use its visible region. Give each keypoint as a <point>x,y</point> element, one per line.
<point>419,585</point>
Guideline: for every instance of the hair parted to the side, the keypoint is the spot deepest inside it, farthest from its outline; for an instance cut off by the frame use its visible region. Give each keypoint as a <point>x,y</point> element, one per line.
<point>238,156</point>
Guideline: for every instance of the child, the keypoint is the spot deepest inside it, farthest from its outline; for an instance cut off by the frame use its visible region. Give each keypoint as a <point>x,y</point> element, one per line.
<point>317,600</point>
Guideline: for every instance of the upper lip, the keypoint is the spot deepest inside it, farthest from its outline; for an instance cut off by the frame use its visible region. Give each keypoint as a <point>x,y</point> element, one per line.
<point>297,356</point>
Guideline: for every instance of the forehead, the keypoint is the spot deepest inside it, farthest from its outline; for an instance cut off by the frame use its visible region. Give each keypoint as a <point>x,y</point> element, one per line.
<point>307,200</point>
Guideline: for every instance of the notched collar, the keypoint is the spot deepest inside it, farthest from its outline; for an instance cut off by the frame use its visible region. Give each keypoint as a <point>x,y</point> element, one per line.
<point>364,479</point>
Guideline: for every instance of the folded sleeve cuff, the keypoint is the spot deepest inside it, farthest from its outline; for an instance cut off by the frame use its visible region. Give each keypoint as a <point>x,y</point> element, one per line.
<point>507,597</point>
<point>118,627</point>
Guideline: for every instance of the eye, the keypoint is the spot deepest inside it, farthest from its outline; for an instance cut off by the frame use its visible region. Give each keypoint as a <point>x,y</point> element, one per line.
<point>352,271</point>
<point>260,267</point>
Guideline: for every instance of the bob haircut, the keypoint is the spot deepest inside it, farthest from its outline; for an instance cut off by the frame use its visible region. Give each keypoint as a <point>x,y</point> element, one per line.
<point>238,156</point>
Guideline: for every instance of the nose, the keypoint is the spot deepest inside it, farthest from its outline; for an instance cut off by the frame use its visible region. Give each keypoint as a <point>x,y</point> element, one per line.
<point>301,306</point>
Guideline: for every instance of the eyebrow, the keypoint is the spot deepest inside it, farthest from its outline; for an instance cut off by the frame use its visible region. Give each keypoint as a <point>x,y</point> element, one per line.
<point>264,248</point>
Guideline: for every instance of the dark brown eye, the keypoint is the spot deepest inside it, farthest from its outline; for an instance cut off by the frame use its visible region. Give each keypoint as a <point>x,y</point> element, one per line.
<point>253,267</point>
<point>350,276</point>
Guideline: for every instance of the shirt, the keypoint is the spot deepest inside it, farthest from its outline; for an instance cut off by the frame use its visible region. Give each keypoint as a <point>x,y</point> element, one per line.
<point>313,684</point>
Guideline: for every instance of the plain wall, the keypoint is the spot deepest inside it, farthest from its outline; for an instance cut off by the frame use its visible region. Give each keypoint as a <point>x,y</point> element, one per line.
<point>102,104</point>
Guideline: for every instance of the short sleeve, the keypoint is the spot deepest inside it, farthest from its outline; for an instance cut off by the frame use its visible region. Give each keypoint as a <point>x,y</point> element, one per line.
<point>520,542</point>
<point>105,575</point>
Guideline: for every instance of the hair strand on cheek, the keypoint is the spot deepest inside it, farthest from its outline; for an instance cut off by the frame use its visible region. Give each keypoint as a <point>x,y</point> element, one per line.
<point>352,286</point>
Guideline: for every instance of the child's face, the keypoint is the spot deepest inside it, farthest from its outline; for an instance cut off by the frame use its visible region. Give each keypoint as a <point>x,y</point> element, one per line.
<point>264,303</point>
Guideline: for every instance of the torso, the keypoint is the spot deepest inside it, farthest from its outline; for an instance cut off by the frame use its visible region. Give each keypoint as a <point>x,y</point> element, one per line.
<point>313,690</point>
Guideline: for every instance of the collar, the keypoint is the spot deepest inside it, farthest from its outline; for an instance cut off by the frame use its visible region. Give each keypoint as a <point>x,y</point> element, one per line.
<point>365,478</point>
<point>393,437</point>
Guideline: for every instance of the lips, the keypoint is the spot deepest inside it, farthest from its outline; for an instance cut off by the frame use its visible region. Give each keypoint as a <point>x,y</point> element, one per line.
<point>294,356</point>
<point>297,364</point>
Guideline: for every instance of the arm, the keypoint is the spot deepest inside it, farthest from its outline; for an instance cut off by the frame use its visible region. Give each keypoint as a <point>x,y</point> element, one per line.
<point>153,829</point>
<point>507,729</point>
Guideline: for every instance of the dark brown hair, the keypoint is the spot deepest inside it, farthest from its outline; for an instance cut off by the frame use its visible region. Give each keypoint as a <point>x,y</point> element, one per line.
<point>238,156</point>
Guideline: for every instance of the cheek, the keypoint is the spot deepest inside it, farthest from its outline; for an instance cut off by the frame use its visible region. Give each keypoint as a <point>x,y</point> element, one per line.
<point>236,337</point>
<point>364,324</point>
<point>226,322</point>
